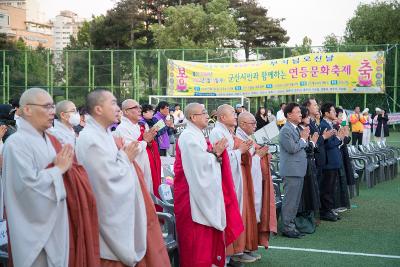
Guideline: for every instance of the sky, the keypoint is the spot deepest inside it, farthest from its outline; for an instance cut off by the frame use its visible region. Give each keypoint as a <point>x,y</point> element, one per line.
<point>312,18</point>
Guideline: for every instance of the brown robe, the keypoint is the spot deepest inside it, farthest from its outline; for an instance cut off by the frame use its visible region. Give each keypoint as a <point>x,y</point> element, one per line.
<point>84,248</point>
<point>268,222</point>
<point>255,234</point>
<point>248,240</point>
<point>156,252</point>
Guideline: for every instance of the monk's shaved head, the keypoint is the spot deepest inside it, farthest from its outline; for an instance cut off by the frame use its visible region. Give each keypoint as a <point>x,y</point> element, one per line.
<point>191,109</point>
<point>95,98</point>
<point>223,110</point>
<point>31,95</point>
<point>63,106</point>
<point>128,103</point>
<point>245,116</point>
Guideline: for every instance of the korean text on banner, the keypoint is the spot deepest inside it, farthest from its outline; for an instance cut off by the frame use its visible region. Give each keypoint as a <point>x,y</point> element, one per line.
<point>317,73</point>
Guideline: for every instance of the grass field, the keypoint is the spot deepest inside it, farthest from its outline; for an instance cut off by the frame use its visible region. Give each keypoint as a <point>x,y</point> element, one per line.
<point>372,226</point>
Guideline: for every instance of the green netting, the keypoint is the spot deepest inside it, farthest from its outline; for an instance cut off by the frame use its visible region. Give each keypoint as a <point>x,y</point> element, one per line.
<point>140,73</point>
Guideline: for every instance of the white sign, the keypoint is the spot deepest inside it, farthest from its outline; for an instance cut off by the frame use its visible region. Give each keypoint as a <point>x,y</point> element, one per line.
<point>266,134</point>
<point>3,232</point>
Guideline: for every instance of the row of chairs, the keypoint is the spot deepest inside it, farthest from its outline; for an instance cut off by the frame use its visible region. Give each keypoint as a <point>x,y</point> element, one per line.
<point>375,162</point>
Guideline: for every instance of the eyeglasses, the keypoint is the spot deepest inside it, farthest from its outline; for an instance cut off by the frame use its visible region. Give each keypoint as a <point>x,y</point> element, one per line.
<point>71,111</point>
<point>253,122</point>
<point>134,107</point>
<point>47,107</point>
<point>203,113</point>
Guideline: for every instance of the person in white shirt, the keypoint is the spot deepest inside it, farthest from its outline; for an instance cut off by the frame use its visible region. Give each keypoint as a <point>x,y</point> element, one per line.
<point>178,114</point>
<point>280,116</point>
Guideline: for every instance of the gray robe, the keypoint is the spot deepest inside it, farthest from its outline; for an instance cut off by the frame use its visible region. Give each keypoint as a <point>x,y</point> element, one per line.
<point>120,204</point>
<point>35,200</point>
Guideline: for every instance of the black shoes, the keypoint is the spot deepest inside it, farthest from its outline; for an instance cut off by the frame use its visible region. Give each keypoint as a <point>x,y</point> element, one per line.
<point>328,216</point>
<point>292,234</point>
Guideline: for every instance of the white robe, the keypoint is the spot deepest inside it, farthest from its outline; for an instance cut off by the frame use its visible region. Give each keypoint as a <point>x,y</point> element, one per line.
<point>63,134</point>
<point>130,132</point>
<point>35,199</point>
<point>256,173</point>
<point>203,174</point>
<point>120,204</point>
<point>235,157</point>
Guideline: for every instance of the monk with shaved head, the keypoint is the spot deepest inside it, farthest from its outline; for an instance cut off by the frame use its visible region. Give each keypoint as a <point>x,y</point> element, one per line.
<point>259,213</point>
<point>35,196</point>
<point>224,128</point>
<point>206,208</point>
<point>67,118</point>
<point>115,180</point>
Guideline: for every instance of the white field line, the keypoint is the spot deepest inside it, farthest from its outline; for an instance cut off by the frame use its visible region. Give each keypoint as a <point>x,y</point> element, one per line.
<point>336,252</point>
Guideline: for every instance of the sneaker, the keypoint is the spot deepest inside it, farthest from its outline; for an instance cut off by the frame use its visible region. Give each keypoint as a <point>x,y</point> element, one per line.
<point>254,255</point>
<point>244,258</point>
<point>339,210</point>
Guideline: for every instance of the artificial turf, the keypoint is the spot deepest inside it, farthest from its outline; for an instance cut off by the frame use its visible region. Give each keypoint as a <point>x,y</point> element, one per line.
<point>372,226</point>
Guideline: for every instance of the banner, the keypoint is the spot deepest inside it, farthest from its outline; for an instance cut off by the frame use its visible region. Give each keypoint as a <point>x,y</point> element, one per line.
<point>318,73</point>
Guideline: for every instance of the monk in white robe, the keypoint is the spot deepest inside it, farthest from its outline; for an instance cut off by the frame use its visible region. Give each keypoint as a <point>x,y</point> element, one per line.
<point>35,197</point>
<point>226,116</point>
<point>129,131</point>
<point>206,208</point>
<point>120,204</point>
<point>68,117</point>
<point>227,120</point>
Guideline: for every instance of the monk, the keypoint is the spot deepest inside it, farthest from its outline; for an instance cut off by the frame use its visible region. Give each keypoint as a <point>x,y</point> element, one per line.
<point>82,211</point>
<point>206,207</point>
<point>226,122</point>
<point>156,252</point>
<point>35,196</point>
<point>260,215</point>
<point>129,131</point>
<point>67,118</point>
<point>119,197</point>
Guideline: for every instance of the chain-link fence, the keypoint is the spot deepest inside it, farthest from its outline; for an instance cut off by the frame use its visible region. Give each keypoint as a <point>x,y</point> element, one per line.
<point>70,74</point>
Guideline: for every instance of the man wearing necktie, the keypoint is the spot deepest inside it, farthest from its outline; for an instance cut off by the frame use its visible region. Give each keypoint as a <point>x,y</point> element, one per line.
<point>292,166</point>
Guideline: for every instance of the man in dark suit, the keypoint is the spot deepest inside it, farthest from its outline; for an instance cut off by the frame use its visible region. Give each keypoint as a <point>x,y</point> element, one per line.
<point>333,162</point>
<point>292,166</point>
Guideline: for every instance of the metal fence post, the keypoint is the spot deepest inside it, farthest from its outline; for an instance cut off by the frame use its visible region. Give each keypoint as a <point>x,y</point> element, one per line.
<point>8,82</point>
<point>89,70</point>
<point>396,69</point>
<point>112,71</point>
<point>48,71</point>
<point>26,69</point>
<point>158,71</point>
<point>134,76</point>
<point>4,76</point>
<point>66,75</point>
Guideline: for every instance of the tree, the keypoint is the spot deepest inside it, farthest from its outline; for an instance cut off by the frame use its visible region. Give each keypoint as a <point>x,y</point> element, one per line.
<point>256,29</point>
<point>195,26</point>
<point>304,48</point>
<point>375,23</point>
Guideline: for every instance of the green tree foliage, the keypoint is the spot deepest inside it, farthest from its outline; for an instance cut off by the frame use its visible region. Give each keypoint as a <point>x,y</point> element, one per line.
<point>195,26</point>
<point>256,29</point>
<point>17,54</point>
<point>375,23</point>
<point>304,48</point>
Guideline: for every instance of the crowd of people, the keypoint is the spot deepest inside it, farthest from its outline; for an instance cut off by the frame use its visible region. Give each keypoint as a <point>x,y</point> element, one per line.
<point>78,183</point>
